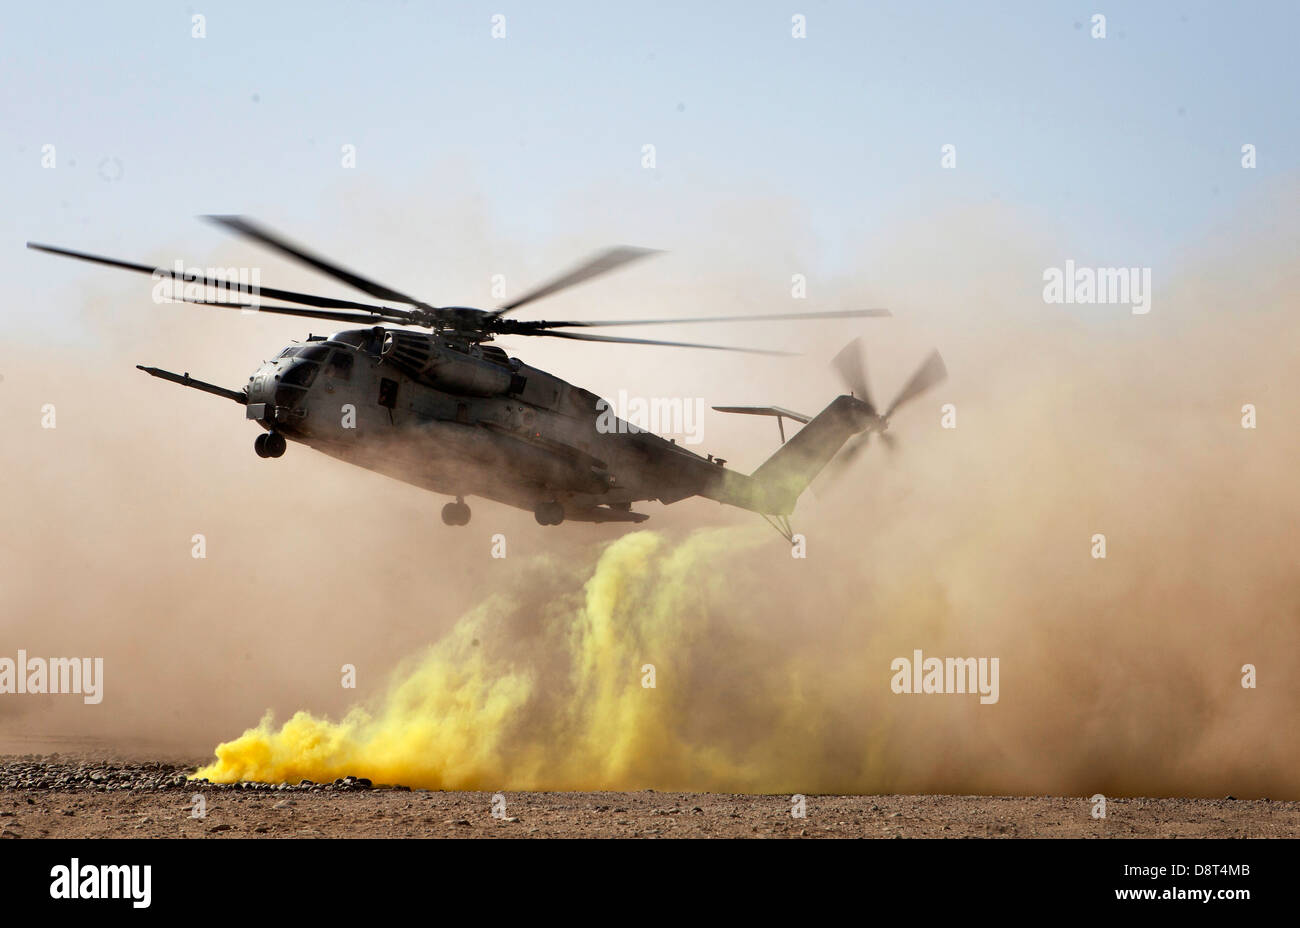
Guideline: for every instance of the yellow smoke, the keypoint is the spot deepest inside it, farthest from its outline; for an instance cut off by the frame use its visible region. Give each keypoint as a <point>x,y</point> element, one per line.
<point>768,683</point>
<point>562,706</point>
<point>1121,675</point>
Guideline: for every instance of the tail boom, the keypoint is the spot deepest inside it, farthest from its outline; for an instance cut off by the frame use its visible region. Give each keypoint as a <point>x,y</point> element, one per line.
<point>774,488</point>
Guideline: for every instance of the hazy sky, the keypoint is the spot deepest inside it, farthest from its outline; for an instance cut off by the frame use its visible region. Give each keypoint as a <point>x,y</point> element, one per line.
<point>774,155</point>
<point>1131,143</point>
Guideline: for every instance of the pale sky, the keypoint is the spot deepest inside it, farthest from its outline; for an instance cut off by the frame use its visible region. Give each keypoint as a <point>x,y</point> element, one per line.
<point>1131,142</point>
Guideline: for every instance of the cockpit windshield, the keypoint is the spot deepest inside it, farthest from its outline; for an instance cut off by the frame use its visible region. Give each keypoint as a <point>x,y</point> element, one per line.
<point>308,352</point>
<point>300,373</point>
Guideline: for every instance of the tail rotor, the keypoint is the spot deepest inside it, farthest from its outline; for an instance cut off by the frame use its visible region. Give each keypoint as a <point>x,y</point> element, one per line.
<point>851,366</point>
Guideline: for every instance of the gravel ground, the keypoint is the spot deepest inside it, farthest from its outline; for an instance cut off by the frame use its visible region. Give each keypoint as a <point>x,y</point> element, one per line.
<point>75,797</point>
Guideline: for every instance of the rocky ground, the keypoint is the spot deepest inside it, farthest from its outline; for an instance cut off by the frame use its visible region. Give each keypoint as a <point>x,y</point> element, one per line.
<point>76,797</point>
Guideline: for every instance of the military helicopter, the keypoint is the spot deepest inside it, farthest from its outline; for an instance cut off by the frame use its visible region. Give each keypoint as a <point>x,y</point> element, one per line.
<point>446,410</point>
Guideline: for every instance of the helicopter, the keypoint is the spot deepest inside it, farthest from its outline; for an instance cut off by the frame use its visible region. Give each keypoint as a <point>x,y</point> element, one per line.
<point>444,409</point>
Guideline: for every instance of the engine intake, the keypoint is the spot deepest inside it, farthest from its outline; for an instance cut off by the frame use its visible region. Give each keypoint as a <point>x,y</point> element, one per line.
<point>433,362</point>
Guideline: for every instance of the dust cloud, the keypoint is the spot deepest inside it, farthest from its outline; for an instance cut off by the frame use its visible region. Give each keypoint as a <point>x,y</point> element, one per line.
<point>772,674</point>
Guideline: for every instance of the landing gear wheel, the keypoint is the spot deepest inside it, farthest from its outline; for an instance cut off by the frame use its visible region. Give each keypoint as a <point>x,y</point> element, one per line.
<point>551,513</point>
<point>259,445</point>
<point>456,513</point>
<point>275,444</point>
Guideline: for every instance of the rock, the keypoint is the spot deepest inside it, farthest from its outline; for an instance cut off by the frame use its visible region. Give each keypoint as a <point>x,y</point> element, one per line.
<point>284,804</point>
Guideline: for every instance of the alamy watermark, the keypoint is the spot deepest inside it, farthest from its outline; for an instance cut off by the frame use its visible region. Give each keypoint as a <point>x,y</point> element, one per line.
<point>1122,286</point>
<point>76,880</point>
<point>946,675</point>
<point>662,415</point>
<point>55,675</point>
<point>207,285</point>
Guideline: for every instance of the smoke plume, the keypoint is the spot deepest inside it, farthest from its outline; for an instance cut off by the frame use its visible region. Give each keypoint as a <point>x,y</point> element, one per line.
<point>1120,675</point>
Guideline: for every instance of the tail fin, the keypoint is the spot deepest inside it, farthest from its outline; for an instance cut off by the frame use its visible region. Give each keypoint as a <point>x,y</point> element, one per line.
<point>773,489</point>
<point>786,474</point>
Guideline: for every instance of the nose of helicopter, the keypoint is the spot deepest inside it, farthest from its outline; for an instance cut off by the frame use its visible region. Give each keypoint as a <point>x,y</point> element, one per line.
<point>278,389</point>
<point>261,385</point>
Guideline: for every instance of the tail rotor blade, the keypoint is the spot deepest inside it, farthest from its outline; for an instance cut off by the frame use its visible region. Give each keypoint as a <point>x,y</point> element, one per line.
<point>931,372</point>
<point>842,462</point>
<point>849,365</point>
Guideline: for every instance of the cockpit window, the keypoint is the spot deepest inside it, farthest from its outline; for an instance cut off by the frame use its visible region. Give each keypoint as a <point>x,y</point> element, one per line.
<point>300,374</point>
<point>340,365</point>
<point>310,352</point>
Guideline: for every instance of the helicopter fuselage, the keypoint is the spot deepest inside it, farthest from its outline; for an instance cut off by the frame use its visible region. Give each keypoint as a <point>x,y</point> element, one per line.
<point>462,418</point>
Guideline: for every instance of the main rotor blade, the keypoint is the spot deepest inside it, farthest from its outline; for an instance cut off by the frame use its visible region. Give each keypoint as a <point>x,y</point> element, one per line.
<point>249,229</point>
<point>598,264</point>
<point>290,295</point>
<point>586,337</point>
<point>835,314</point>
<point>361,318</point>
<point>931,372</point>
<point>852,370</point>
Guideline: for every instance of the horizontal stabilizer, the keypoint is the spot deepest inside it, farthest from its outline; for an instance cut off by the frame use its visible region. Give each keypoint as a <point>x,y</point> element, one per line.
<point>780,412</point>
<point>777,411</point>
